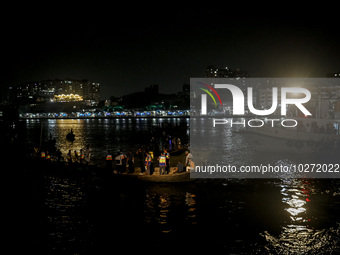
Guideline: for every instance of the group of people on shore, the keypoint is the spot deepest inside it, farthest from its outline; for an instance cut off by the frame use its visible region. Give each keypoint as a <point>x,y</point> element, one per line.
<point>83,157</point>
<point>163,161</point>
<point>142,158</point>
<point>122,163</point>
<point>145,160</point>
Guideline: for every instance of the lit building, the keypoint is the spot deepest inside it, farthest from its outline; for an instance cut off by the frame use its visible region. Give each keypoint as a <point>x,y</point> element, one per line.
<point>58,91</point>
<point>87,90</point>
<point>67,98</point>
<point>213,72</point>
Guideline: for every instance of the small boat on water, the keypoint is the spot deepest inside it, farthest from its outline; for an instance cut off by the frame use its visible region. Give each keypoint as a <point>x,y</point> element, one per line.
<point>156,177</point>
<point>70,136</point>
<point>310,135</point>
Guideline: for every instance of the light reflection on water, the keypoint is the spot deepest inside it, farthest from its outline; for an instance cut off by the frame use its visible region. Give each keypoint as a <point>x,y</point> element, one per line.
<point>161,203</point>
<point>288,216</point>
<point>278,216</point>
<point>302,232</point>
<point>103,134</point>
<point>67,224</point>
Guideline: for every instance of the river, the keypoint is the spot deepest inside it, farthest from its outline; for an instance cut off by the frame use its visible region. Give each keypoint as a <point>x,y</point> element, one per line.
<point>221,216</point>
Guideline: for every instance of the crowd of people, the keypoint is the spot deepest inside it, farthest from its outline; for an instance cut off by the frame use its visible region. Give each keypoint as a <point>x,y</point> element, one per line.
<point>146,161</point>
<point>144,158</point>
<point>83,157</point>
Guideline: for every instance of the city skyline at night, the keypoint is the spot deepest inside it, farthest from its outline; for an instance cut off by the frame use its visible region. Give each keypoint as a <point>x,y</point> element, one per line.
<point>137,128</point>
<point>167,47</point>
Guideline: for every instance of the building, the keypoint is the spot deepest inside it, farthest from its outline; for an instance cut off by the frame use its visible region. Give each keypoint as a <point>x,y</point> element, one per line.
<point>29,92</point>
<point>213,72</point>
<point>57,91</point>
<point>89,91</point>
<point>324,102</point>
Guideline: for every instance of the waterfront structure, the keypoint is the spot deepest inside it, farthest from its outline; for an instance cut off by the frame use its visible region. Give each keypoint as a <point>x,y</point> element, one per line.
<point>213,72</point>
<point>323,104</point>
<point>67,90</point>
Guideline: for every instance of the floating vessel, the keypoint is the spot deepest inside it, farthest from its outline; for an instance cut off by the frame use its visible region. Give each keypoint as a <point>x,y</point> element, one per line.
<point>309,135</point>
<point>180,177</point>
<point>70,136</point>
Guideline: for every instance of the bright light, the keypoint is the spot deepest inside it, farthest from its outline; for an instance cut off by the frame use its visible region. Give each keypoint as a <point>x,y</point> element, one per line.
<point>67,98</point>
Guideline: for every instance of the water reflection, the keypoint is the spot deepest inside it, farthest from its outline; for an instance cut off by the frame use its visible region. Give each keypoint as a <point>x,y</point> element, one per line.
<point>164,207</point>
<point>68,226</point>
<point>103,134</point>
<point>295,196</point>
<point>288,216</point>
<point>300,231</point>
<point>190,201</point>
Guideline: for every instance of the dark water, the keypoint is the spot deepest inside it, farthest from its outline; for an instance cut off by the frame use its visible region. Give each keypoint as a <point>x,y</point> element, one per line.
<point>81,216</point>
<point>106,134</point>
<point>103,215</point>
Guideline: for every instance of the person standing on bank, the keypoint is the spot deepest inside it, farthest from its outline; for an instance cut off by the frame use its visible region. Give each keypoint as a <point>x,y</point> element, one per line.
<point>82,156</point>
<point>59,155</point>
<point>141,157</point>
<point>167,158</point>
<point>87,154</point>
<point>108,159</point>
<point>130,162</point>
<point>188,158</point>
<point>76,157</point>
<point>121,162</point>
<point>69,157</point>
<point>147,163</point>
<point>162,164</point>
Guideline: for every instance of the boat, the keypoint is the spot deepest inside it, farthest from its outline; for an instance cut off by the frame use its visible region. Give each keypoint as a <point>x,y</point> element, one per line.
<point>178,151</point>
<point>308,136</point>
<point>177,177</point>
<point>70,136</point>
<point>156,177</point>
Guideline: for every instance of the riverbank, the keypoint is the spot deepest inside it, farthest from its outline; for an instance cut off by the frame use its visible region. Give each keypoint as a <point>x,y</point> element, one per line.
<point>102,116</point>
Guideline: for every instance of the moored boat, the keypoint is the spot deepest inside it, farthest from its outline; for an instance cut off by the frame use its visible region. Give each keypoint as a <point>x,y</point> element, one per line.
<point>156,177</point>
<point>177,177</point>
<point>309,135</point>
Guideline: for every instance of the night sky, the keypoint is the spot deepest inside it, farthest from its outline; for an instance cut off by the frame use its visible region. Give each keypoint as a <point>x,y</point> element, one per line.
<point>127,50</point>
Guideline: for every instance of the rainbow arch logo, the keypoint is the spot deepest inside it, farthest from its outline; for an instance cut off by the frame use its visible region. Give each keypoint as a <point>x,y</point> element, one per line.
<point>209,93</point>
